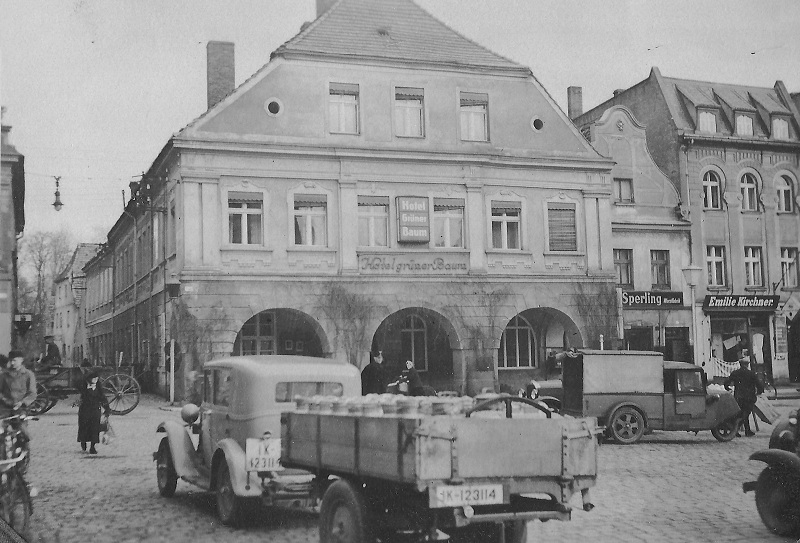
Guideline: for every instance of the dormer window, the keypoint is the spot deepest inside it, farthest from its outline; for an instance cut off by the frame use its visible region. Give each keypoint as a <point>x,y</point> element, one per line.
<point>707,121</point>
<point>780,128</point>
<point>744,125</point>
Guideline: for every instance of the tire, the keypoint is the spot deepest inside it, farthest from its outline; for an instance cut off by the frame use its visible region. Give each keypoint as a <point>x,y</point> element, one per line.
<point>42,403</point>
<point>778,501</point>
<point>344,515</point>
<point>725,431</point>
<point>122,392</point>
<point>166,477</point>
<point>626,425</point>
<point>231,509</point>
<point>15,503</point>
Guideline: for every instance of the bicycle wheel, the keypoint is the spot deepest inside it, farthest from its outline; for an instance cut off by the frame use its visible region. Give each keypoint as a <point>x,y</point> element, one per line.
<point>122,392</point>
<point>15,502</point>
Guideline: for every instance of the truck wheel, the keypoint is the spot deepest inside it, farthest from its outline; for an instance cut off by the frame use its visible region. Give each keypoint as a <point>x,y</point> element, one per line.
<point>778,501</point>
<point>344,515</point>
<point>165,470</point>
<point>627,425</point>
<point>725,431</point>
<point>231,509</point>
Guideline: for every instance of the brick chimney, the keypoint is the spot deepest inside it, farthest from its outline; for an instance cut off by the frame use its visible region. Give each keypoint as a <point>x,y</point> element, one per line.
<point>220,71</point>
<point>574,102</point>
<point>323,6</point>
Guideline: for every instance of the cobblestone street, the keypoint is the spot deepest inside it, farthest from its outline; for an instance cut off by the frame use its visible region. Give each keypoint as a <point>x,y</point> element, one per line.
<point>672,487</point>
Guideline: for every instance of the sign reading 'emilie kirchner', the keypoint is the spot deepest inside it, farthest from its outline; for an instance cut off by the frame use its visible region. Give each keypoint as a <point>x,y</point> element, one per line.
<point>651,300</point>
<point>414,218</point>
<point>742,303</point>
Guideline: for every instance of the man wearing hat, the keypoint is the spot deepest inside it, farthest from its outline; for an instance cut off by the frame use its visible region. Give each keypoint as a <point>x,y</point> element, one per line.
<point>51,355</point>
<point>746,388</point>
<point>17,385</point>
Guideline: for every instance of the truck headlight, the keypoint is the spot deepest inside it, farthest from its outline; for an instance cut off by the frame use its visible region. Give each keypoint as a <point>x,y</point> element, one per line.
<point>793,421</point>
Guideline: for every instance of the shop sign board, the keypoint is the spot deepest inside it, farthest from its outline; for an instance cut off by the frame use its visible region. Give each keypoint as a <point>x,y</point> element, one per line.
<point>413,264</point>
<point>740,303</point>
<point>414,218</point>
<point>637,299</point>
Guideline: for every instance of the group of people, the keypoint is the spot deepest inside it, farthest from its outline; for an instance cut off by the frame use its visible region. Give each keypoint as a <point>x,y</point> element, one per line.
<point>376,379</point>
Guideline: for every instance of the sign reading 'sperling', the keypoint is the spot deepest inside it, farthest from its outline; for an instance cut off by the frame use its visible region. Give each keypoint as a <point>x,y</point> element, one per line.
<point>651,299</point>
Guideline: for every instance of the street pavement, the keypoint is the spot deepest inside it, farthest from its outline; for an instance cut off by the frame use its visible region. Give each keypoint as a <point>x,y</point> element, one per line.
<point>672,487</point>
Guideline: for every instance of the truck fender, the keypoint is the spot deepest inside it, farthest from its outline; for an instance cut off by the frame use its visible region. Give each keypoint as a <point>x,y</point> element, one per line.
<point>611,411</point>
<point>245,484</point>
<point>780,458</point>
<point>181,448</point>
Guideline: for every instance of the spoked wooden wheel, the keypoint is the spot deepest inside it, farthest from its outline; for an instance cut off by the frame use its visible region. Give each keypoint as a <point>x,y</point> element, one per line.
<point>43,402</point>
<point>122,392</point>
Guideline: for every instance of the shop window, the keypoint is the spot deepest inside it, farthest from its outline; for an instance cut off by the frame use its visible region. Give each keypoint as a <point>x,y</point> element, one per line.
<point>659,269</point>
<point>245,218</point>
<point>749,188</point>
<point>623,265</point>
<point>448,222</point>
<point>707,121</point>
<point>711,190</point>
<point>506,219</point>
<point>310,220</point>
<point>780,128</point>
<point>409,112</point>
<point>623,190</point>
<point>715,265</point>
<point>785,194</point>
<point>562,226</point>
<point>343,108</point>
<point>517,346</point>
<point>474,116</point>
<point>373,221</point>
<point>789,266</point>
<point>414,342</point>
<point>257,336</point>
<point>753,267</point>
<point>744,125</point>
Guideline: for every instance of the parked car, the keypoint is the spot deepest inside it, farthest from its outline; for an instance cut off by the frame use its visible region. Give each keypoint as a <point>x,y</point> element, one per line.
<point>632,391</point>
<point>778,486</point>
<point>231,444</point>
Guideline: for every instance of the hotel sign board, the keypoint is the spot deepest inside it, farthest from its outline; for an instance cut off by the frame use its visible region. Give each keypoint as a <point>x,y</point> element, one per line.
<point>636,299</point>
<point>740,303</point>
<point>414,219</point>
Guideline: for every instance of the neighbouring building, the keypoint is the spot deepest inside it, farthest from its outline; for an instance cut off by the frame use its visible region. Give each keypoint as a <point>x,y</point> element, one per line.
<point>382,183</point>
<point>650,238</point>
<point>732,151</point>
<point>12,223</point>
<point>69,320</point>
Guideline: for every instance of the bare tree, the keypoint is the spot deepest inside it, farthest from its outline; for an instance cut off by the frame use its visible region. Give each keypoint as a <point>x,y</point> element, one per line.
<point>596,303</point>
<point>350,313</point>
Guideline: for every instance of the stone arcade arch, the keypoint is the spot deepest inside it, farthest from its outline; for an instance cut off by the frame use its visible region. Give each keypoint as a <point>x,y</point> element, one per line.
<point>281,331</point>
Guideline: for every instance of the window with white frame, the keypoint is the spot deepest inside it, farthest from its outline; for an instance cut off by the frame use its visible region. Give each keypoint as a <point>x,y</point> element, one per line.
<point>785,194</point>
<point>448,222</point>
<point>715,265</point>
<point>171,229</point>
<point>506,218</point>
<point>409,112</point>
<point>562,226</point>
<point>517,347</point>
<point>474,116</point>
<point>753,267</point>
<point>414,342</point>
<point>623,190</point>
<point>707,121</point>
<point>343,108</point>
<point>245,218</point>
<point>311,220</point>
<point>780,128</point>
<point>659,269</point>
<point>789,266</point>
<point>744,125</point>
<point>623,265</point>
<point>749,188</point>
<point>373,221</point>
<point>711,190</point>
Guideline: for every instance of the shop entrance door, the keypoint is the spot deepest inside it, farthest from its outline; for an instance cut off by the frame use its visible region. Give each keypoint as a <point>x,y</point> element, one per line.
<point>676,344</point>
<point>639,339</point>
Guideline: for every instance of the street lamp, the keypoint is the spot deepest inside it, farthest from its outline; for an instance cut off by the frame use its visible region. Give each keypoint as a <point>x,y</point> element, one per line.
<point>692,275</point>
<point>58,204</point>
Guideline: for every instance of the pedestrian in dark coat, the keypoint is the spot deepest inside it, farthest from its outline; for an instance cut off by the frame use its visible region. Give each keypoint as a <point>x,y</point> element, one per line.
<point>411,376</point>
<point>374,378</point>
<point>746,388</point>
<point>91,401</point>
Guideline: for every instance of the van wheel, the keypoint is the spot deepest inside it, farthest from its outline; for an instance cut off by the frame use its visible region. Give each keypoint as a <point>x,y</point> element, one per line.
<point>231,509</point>
<point>627,425</point>
<point>724,431</point>
<point>344,516</point>
<point>165,470</point>
<point>778,501</point>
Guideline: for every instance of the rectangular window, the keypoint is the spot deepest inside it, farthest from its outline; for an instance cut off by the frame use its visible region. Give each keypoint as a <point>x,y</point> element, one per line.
<point>171,227</point>
<point>474,116</point>
<point>288,391</point>
<point>623,190</point>
<point>623,265</point>
<point>245,218</point>
<point>715,265</point>
<point>659,269</point>
<point>506,225</point>
<point>223,387</point>
<point>562,225</point>
<point>780,128</point>
<point>744,125</point>
<point>373,221</point>
<point>409,118</point>
<point>753,269</point>
<point>343,108</point>
<point>707,122</point>
<point>789,266</point>
<point>310,220</point>
<point>448,222</point>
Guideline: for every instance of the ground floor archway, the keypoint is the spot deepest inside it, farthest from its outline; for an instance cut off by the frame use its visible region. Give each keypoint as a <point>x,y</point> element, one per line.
<point>280,331</point>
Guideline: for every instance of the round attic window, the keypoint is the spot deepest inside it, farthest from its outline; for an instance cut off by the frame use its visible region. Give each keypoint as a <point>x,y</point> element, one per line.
<point>273,107</point>
<point>536,124</point>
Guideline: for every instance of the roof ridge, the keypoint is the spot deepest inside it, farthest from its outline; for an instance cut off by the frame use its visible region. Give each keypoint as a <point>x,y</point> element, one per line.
<point>305,31</point>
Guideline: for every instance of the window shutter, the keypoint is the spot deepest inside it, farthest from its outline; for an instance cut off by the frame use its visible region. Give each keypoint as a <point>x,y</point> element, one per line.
<point>409,93</point>
<point>448,203</point>
<point>563,230</point>
<point>500,207</point>
<point>310,199</point>
<point>373,200</point>
<point>474,99</point>
<point>245,196</point>
<point>344,88</point>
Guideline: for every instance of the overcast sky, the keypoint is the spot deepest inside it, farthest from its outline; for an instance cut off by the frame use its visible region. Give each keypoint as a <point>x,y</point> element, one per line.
<point>95,88</point>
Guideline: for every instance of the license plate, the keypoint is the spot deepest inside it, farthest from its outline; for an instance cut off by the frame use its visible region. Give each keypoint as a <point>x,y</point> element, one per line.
<point>453,496</point>
<point>263,454</point>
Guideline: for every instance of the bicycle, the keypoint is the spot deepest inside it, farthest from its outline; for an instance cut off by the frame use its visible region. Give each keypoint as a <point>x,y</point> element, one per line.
<point>766,381</point>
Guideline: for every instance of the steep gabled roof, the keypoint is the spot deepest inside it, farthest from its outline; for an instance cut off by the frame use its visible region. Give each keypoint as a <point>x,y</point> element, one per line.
<point>390,30</point>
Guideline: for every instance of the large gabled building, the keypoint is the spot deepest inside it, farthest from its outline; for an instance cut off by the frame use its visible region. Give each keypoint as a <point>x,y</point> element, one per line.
<point>381,183</point>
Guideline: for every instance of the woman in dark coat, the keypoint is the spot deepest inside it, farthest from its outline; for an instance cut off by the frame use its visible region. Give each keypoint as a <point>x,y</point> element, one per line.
<point>92,399</point>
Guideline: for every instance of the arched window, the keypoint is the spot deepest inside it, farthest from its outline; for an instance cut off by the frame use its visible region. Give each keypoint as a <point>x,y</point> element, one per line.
<point>257,335</point>
<point>711,190</point>
<point>414,342</point>
<point>517,347</point>
<point>749,189</point>
<point>785,194</point>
